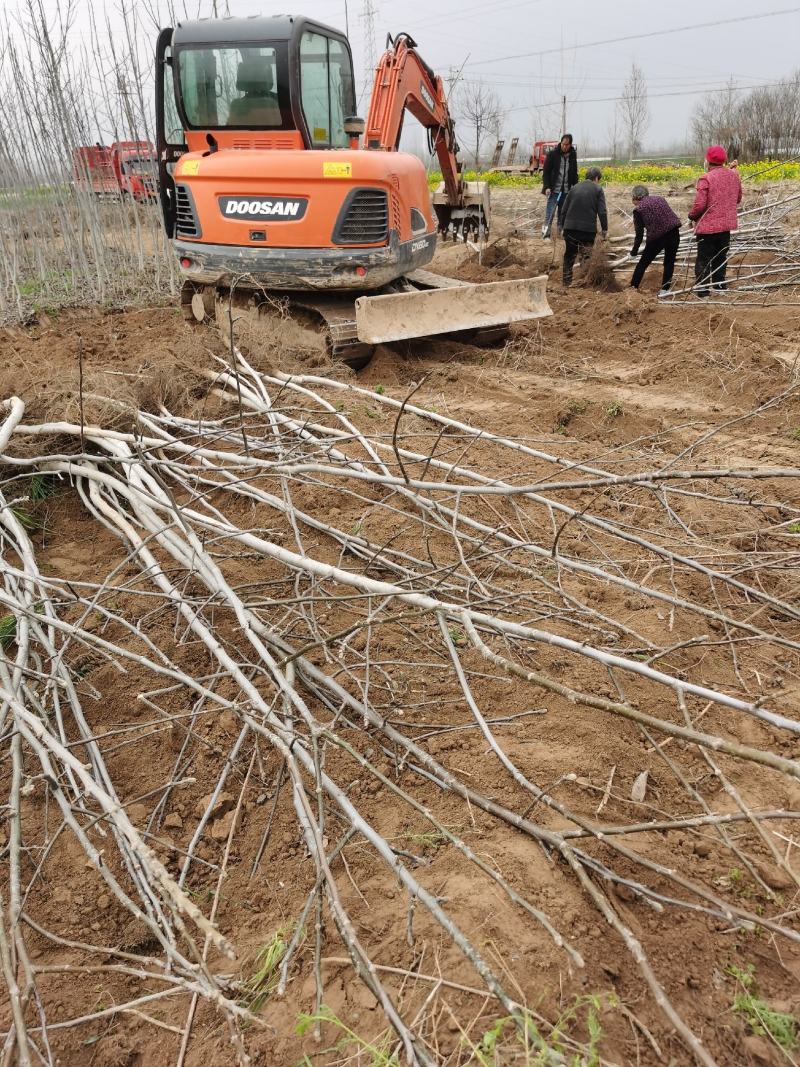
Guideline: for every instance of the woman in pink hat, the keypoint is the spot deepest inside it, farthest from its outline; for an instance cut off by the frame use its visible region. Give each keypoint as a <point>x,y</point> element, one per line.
<point>714,215</point>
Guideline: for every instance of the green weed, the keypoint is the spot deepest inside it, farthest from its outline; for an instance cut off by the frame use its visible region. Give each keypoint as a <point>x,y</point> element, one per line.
<point>793,527</point>
<point>377,1050</point>
<point>8,630</point>
<point>42,487</point>
<point>508,1035</point>
<point>26,519</point>
<point>781,1027</point>
<point>262,982</point>
<point>795,433</point>
<point>613,411</point>
<point>380,389</point>
<point>430,838</point>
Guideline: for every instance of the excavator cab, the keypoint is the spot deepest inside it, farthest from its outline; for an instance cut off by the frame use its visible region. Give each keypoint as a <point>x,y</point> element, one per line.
<point>265,187</point>
<point>261,180</point>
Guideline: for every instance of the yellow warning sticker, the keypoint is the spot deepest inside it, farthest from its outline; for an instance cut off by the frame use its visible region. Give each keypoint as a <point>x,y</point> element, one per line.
<point>189,166</point>
<point>337,170</point>
<point>320,133</point>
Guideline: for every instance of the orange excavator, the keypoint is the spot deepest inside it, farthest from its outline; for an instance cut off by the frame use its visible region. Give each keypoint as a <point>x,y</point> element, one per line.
<point>269,196</point>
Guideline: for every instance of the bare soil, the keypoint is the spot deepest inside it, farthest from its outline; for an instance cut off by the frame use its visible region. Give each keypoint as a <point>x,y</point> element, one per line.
<point>609,375</point>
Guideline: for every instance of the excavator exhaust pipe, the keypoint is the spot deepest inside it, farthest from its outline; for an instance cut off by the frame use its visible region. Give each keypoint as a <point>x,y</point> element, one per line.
<point>449,308</point>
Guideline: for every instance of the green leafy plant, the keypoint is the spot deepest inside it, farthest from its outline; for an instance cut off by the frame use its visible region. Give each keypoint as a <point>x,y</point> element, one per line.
<point>793,527</point>
<point>781,1027</point>
<point>377,1050</point>
<point>613,411</point>
<point>509,1034</point>
<point>380,389</point>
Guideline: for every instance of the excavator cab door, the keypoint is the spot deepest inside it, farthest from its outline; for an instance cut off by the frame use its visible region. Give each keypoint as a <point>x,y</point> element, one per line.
<point>170,137</point>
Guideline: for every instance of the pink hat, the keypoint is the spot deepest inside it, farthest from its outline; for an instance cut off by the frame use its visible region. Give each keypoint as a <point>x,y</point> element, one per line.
<point>716,154</point>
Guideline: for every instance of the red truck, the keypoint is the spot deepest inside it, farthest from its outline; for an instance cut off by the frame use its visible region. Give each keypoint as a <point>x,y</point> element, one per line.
<point>539,154</point>
<point>535,162</point>
<point>125,168</point>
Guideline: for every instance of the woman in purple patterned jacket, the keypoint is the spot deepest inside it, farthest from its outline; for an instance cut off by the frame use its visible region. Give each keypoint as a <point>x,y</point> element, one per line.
<point>653,214</point>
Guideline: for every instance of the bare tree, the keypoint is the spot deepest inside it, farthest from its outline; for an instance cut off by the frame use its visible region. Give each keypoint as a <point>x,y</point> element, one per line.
<point>613,134</point>
<point>716,119</point>
<point>634,112</point>
<point>479,109</point>
<point>763,123</point>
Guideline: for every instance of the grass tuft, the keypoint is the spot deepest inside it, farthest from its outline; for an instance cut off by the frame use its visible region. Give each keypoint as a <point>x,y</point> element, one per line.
<point>263,981</point>
<point>781,1027</point>
<point>8,631</point>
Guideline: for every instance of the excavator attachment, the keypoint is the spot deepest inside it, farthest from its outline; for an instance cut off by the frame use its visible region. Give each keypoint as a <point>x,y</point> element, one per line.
<point>449,306</point>
<point>472,216</point>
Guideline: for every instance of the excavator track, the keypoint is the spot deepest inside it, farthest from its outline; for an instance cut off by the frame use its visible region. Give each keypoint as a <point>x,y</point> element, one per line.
<point>346,327</point>
<point>274,319</point>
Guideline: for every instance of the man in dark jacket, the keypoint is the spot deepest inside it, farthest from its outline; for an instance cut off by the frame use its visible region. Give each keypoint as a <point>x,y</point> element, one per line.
<point>559,174</point>
<point>584,205</point>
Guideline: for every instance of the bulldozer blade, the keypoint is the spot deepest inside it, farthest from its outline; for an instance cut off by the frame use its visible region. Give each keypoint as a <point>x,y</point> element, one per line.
<point>402,316</point>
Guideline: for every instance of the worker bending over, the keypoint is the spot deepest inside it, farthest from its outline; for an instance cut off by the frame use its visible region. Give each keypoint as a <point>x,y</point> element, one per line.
<point>584,205</point>
<point>653,215</point>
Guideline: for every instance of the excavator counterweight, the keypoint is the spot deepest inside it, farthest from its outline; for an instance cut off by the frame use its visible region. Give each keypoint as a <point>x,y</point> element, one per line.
<point>269,195</point>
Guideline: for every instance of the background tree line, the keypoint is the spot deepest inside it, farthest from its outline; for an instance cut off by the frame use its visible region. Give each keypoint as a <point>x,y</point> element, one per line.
<point>759,124</point>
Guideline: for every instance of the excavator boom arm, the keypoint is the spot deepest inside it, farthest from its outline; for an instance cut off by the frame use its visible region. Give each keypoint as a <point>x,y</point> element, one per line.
<point>403,81</point>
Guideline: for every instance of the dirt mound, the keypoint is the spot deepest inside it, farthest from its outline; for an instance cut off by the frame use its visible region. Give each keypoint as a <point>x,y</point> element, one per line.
<point>503,259</point>
<point>106,364</point>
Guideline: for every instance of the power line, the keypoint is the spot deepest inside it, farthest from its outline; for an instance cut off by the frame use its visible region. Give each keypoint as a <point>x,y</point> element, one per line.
<point>460,12</point>
<point>641,36</point>
<point>651,96</point>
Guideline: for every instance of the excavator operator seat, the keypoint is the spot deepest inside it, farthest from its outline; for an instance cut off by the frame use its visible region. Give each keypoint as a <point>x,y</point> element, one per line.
<point>259,106</point>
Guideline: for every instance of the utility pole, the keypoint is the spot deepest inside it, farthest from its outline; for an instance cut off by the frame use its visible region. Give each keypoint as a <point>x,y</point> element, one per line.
<point>367,17</point>
<point>563,94</point>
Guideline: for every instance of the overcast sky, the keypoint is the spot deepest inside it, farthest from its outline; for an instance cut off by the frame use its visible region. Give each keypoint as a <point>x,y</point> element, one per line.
<point>532,51</point>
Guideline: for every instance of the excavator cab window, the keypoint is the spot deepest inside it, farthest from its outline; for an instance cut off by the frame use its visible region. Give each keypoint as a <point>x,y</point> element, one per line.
<point>233,87</point>
<point>173,126</point>
<point>326,89</point>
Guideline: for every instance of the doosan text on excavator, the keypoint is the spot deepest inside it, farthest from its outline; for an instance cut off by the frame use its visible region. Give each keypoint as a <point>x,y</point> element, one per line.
<point>271,187</point>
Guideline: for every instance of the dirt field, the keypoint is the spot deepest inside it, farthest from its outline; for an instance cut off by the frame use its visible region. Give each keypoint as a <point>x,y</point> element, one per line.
<point>613,381</point>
